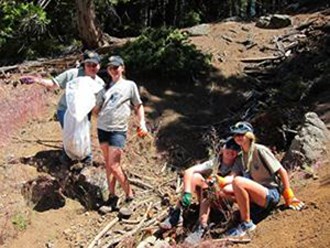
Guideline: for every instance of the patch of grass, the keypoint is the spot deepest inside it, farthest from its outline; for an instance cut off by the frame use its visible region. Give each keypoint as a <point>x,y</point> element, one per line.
<point>20,221</point>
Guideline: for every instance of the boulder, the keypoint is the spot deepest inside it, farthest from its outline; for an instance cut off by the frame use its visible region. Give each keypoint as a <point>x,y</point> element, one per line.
<point>309,145</point>
<point>274,21</point>
<point>199,30</point>
<point>90,187</point>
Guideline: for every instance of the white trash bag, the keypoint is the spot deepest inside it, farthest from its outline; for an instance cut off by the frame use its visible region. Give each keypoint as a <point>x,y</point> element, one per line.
<point>76,132</point>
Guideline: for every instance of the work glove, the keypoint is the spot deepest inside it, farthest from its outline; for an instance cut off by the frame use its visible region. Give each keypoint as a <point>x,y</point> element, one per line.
<point>142,130</point>
<point>27,80</point>
<point>216,179</point>
<point>291,201</point>
<point>186,199</point>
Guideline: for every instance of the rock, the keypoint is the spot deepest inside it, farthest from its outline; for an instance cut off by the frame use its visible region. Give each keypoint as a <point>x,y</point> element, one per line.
<point>43,193</point>
<point>105,209</point>
<point>90,186</point>
<point>125,213</point>
<point>199,30</point>
<point>274,21</point>
<point>309,145</point>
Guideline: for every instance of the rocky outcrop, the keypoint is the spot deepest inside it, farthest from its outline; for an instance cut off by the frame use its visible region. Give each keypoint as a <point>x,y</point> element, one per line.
<point>309,145</point>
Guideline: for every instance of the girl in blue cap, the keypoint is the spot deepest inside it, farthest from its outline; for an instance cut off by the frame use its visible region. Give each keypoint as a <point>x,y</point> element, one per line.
<point>259,188</point>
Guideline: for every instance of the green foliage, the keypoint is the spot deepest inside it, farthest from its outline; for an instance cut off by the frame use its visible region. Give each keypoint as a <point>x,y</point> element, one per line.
<point>164,52</point>
<point>20,221</point>
<point>21,24</point>
<point>191,18</point>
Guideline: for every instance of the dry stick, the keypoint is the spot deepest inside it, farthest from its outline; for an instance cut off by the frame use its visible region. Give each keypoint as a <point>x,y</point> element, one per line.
<point>233,240</point>
<point>260,59</point>
<point>104,230</point>
<point>140,183</point>
<point>142,177</point>
<point>154,220</point>
<point>132,232</point>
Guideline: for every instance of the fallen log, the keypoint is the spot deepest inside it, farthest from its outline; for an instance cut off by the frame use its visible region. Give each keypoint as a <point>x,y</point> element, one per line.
<point>260,59</point>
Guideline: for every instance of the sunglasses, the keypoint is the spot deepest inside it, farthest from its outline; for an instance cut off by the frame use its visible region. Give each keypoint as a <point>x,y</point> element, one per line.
<point>91,65</point>
<point>114,67</point>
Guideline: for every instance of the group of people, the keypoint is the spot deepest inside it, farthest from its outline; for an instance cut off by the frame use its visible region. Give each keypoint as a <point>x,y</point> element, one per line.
<point>114,103</point>
<point>248,174</point>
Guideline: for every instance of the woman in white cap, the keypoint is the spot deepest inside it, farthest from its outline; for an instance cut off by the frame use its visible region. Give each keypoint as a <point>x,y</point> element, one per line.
<point>89,66</point>
<point>263,182</point>
<point>114,105</point>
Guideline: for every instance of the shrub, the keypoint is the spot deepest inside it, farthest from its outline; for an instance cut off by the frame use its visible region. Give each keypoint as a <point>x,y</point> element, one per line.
<point>166,53</point>
<point>20,221</point>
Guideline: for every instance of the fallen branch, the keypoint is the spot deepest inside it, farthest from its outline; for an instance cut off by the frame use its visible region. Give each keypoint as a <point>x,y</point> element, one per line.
<point>233,240</point>
<point>104,230</point>
<point>140,183</point>
<point>132,232</point>
<point>260,59</point>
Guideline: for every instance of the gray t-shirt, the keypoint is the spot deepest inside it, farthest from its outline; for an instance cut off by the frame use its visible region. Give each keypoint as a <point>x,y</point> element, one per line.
<point>116,104</point>
<point>263,169</point>
<point>62,79</point>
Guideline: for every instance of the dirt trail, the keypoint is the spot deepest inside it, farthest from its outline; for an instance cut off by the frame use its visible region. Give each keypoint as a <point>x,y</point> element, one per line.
<point>72,226</point>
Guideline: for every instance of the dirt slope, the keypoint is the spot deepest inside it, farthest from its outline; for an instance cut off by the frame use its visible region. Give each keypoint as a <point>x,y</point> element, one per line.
<point>73,226</point>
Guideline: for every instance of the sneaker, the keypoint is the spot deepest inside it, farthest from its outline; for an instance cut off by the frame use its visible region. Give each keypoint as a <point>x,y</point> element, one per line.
<point>174,218</point>
<point>195,237</point>
<point>242,229</point>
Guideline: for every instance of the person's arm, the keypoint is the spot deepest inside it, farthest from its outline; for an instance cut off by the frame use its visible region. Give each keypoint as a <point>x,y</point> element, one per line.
<point>284,178</point>
<point>290,200</point>
<point>48,83</point>
<point>142,129</point>
<point>192,177</point>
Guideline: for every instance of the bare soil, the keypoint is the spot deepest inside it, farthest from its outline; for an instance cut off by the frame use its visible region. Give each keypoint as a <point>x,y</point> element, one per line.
<point>178,119</point>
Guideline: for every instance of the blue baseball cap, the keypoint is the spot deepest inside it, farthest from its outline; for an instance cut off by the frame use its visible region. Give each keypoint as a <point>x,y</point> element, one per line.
<point>241,127</point>
<point>115,61</point>
<point>91,57</point>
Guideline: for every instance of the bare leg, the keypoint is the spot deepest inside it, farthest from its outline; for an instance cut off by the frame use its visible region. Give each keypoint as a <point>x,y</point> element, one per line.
<point>204,211</point>
<point>198,183</point>
<point>110,178</point>
<point>247,191</point>
<point>114,158</point>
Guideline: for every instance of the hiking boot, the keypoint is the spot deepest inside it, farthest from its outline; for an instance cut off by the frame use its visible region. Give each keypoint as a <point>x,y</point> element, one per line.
<point>174,218</point>
<point>242,229</point>
<point>129,199</point>
<point>88,161</point>
<point>195,237</point>
<point>112,202</point>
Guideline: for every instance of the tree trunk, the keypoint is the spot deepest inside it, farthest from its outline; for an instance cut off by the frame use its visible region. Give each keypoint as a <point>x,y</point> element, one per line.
<point>90,33</point>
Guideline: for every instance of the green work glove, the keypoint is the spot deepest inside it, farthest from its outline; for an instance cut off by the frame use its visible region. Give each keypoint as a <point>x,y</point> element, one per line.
<point>186,199</point>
